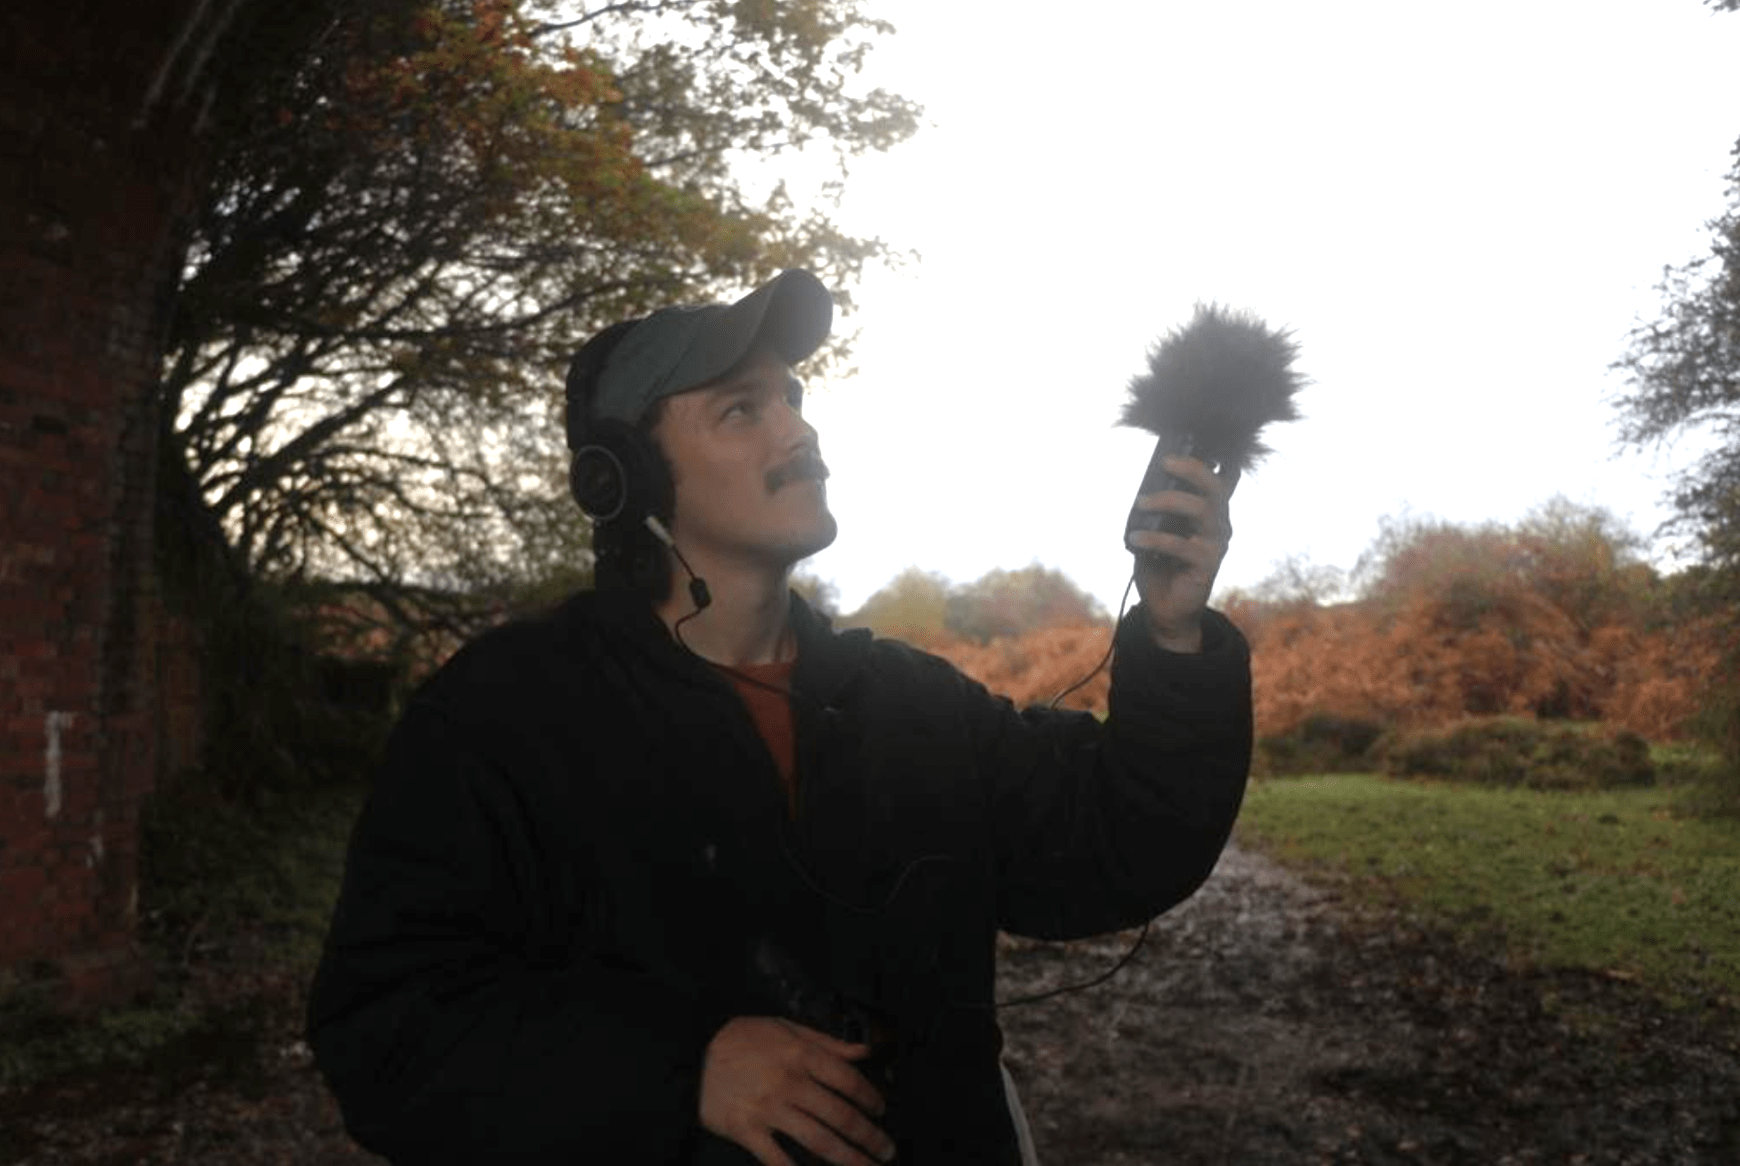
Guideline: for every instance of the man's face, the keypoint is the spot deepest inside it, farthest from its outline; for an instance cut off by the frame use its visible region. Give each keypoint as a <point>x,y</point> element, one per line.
<point>748,467</point>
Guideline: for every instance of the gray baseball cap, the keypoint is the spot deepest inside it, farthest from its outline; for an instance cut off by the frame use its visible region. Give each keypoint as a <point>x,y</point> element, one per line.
<point>681,348</point>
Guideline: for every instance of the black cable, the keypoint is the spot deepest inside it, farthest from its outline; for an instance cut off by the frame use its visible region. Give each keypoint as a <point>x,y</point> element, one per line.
<point>1085,984</point>
<point>1110,648</point>
<point>1124,959</point>
<point>700,596</point>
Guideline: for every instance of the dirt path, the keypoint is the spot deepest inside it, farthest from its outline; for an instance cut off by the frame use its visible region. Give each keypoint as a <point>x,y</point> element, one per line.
<point>1253,1027</point>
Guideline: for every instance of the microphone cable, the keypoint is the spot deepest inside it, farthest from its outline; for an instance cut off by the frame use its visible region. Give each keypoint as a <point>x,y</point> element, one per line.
<point>1130,952</point>
<point>1110,647</point>
<point>701,597</point>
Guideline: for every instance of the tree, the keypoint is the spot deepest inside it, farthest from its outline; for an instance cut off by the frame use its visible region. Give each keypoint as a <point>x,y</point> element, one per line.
<point>911,606</point>
<point>1684,379</point>
<point>1501,618</point>
<point>821,594</point>
<point>1041,665</point>
<point>1293,581</point>
<point>408,234</point>
<point>1584,561</point>
<point>1555,616</point>
<point>925,607</point>
<point>1012,603</point>
<point>1028,634</point>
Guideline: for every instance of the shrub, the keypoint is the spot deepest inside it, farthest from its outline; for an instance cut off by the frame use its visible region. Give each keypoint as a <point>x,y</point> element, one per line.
<point>1322,743</point>
<point>40,1044</point>
<point>1352,736</point>
<point>1718,725</point>
<point>211,869</point>
<point>1033,668</point>
<point>1662,677</point>
<point>1685,763</point>
<point>1512,751</point>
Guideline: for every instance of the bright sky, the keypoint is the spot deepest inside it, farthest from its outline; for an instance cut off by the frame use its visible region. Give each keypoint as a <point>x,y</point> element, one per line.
<point>1459,209</point>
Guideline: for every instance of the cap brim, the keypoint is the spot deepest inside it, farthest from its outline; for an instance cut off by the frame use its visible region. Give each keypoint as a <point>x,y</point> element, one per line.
<point>678,349</point>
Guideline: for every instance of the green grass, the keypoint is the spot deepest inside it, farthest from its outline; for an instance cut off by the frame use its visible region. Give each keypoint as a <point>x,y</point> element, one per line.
<point>1613,881</point>
<point>211,868</point>
<point>36,1045</point>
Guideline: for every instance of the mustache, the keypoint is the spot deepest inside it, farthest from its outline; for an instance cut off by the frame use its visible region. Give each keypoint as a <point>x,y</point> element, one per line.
<point>805,467</point>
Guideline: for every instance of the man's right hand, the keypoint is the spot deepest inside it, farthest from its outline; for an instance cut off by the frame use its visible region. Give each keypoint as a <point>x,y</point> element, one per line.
<point>763,1074</point>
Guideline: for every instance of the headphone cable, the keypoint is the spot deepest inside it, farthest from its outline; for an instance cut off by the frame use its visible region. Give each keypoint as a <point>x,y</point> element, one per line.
<point>701,598</point>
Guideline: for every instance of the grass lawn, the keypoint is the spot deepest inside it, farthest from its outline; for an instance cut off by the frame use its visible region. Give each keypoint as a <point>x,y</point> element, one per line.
<point>1612,881</point>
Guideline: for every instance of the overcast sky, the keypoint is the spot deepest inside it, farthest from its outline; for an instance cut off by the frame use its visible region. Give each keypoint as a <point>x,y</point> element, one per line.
<point>1459,209</point>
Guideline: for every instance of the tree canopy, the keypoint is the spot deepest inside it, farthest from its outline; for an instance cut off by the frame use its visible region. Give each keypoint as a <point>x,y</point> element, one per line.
<point>1009,603</point>
<point>911,606</point>
<point>1684,381</point>
<point>925,607</point>
<point>407,236</point>
<point>1555,616</point>
<point>1580,559</point>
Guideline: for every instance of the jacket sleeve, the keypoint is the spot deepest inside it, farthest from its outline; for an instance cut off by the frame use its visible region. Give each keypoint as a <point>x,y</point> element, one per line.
<point>449,1015</point>
<point>1102,825</point>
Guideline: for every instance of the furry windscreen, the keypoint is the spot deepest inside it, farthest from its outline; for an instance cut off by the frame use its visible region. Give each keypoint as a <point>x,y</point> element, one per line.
<point>1220,379</point>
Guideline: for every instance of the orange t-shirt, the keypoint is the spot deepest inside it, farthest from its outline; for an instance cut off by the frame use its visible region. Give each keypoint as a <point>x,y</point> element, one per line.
<point>770,709</point>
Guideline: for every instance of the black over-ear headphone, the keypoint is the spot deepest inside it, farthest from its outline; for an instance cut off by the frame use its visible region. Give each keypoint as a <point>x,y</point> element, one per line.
<point>615,474</point>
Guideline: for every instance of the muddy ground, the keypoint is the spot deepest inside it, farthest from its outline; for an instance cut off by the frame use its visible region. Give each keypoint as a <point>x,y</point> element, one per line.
<point>1261,1024</point>
<point>1257,1024</point>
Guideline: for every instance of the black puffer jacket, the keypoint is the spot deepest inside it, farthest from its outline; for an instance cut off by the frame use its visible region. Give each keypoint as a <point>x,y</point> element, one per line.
<point>577,864</point>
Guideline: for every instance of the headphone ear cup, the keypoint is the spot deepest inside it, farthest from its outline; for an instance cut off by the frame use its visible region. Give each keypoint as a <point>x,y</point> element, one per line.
<point>599,481</point>
<point>616,476</point>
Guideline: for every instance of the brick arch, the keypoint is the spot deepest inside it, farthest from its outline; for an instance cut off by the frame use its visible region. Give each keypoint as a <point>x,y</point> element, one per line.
<point>105,122</point>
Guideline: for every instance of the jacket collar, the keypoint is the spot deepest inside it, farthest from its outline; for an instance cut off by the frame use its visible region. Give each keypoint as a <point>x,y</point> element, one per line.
<point>827,661</point>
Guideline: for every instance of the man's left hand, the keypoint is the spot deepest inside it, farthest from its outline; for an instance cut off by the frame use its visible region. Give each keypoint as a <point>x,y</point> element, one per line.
<point>1175,582</point>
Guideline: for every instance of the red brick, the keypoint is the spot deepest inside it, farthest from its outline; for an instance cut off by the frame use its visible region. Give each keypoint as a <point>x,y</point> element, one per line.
<point>78,318</point>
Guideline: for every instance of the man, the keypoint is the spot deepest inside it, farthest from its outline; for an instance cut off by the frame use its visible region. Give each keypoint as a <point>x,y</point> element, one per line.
<point>677,874</point>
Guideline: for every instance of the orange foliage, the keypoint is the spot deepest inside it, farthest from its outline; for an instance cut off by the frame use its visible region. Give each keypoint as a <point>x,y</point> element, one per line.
<point>1425,662</point>
<point>1662,677</point>
<point>1034,667</point>
<point>1308,659</point>
<point>1554,617</point>
<point>1415,664</point>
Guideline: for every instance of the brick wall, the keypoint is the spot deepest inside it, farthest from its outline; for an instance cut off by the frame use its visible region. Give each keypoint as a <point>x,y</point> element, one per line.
<point>99,130</point>
<point>108,110</point>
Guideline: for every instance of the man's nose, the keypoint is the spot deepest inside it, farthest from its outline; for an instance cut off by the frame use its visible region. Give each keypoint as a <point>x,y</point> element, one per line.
<point>799,430</point>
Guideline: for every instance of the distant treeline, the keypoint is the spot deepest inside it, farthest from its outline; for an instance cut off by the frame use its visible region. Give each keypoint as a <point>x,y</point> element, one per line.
<point>1556,616</point>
